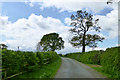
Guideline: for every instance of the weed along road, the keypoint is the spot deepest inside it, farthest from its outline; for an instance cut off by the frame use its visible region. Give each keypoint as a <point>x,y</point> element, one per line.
<point>74,69</point>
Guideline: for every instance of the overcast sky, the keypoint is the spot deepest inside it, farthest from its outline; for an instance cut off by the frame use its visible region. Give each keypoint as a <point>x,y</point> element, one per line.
<point>24,23</point>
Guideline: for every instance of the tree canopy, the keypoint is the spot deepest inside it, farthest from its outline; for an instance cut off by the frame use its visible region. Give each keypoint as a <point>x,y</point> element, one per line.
<point>3,46</point>
<point>51,42</point>
<point>82,23</point>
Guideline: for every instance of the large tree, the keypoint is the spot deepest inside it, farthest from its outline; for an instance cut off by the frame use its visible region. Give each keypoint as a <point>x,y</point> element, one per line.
<point>51,42</point>
<point>82,23</point>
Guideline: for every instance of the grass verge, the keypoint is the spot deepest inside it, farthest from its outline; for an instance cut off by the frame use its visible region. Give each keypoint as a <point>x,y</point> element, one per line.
<point>99,69</point>
<point>46,71</point>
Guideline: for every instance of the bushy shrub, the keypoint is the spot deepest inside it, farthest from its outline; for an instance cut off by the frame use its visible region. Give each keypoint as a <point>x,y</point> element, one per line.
<point>61,55</point>
<point>110,60</point>
<point>73,55</point>
<point>91,57</point>
<point>14,62</point>
<point>40,56</point>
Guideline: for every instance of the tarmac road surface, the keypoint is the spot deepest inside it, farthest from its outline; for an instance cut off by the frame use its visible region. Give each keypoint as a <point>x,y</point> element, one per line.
<point>73,69</point>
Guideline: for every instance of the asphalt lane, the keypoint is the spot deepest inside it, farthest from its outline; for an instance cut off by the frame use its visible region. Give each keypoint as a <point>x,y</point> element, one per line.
<point>73,69</point>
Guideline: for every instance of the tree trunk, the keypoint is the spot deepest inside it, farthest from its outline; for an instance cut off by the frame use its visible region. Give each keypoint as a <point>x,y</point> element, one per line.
<point>53,50</point>
<point>83,44</point>
<point>83,48</point>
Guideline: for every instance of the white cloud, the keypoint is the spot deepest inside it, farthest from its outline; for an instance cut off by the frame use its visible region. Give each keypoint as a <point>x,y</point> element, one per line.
<point>98,48</point>
<point>26,33</point>
<point>67,21</point>
<point>109,23</point>
<point>69,48</point>
<point>74,5</point>
<point>3,20</point>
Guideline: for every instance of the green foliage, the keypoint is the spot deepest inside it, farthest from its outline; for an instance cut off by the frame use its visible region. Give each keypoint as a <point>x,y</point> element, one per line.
<point>44,72</point>
<point>51,42</point>
<point>109,59</point>
<point>46,57</point>
<point>72,55</point>
<point>84,22</point>
<point>90,40</point>
<point>60,55</point>
<point>3,46</point>
<point>91,57</point>
<point>14,62</point>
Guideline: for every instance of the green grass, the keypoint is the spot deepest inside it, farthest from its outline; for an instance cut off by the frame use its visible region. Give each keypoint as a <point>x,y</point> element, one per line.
<point>46,71</point>
<point>99,69</point>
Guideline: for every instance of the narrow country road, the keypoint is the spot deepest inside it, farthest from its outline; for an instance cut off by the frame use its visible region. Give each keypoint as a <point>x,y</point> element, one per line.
<point>74,69</point>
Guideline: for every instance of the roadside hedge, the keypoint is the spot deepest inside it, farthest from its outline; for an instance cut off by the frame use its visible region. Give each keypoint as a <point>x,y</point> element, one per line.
<point>110,61</point>
<point>91,57</point>
<point>72,55</point>
<point>14,62</point>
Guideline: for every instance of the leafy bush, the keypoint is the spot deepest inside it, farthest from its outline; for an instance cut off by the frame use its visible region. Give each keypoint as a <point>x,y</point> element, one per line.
<point>110,61</point>
<point>73,55</point>
<point>91,57</point>
<point>40,56</point>
<point>14,62</point>
<point>60,55</point>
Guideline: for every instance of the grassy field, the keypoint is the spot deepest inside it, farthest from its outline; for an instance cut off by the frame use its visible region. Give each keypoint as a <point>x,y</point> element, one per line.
<point>46,71</point>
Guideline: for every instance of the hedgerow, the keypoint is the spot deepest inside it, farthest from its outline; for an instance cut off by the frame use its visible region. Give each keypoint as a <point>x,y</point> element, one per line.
<point>91,57</point>
<point>110,61</point>
<point>14,62</point>
<point>72,55</point>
